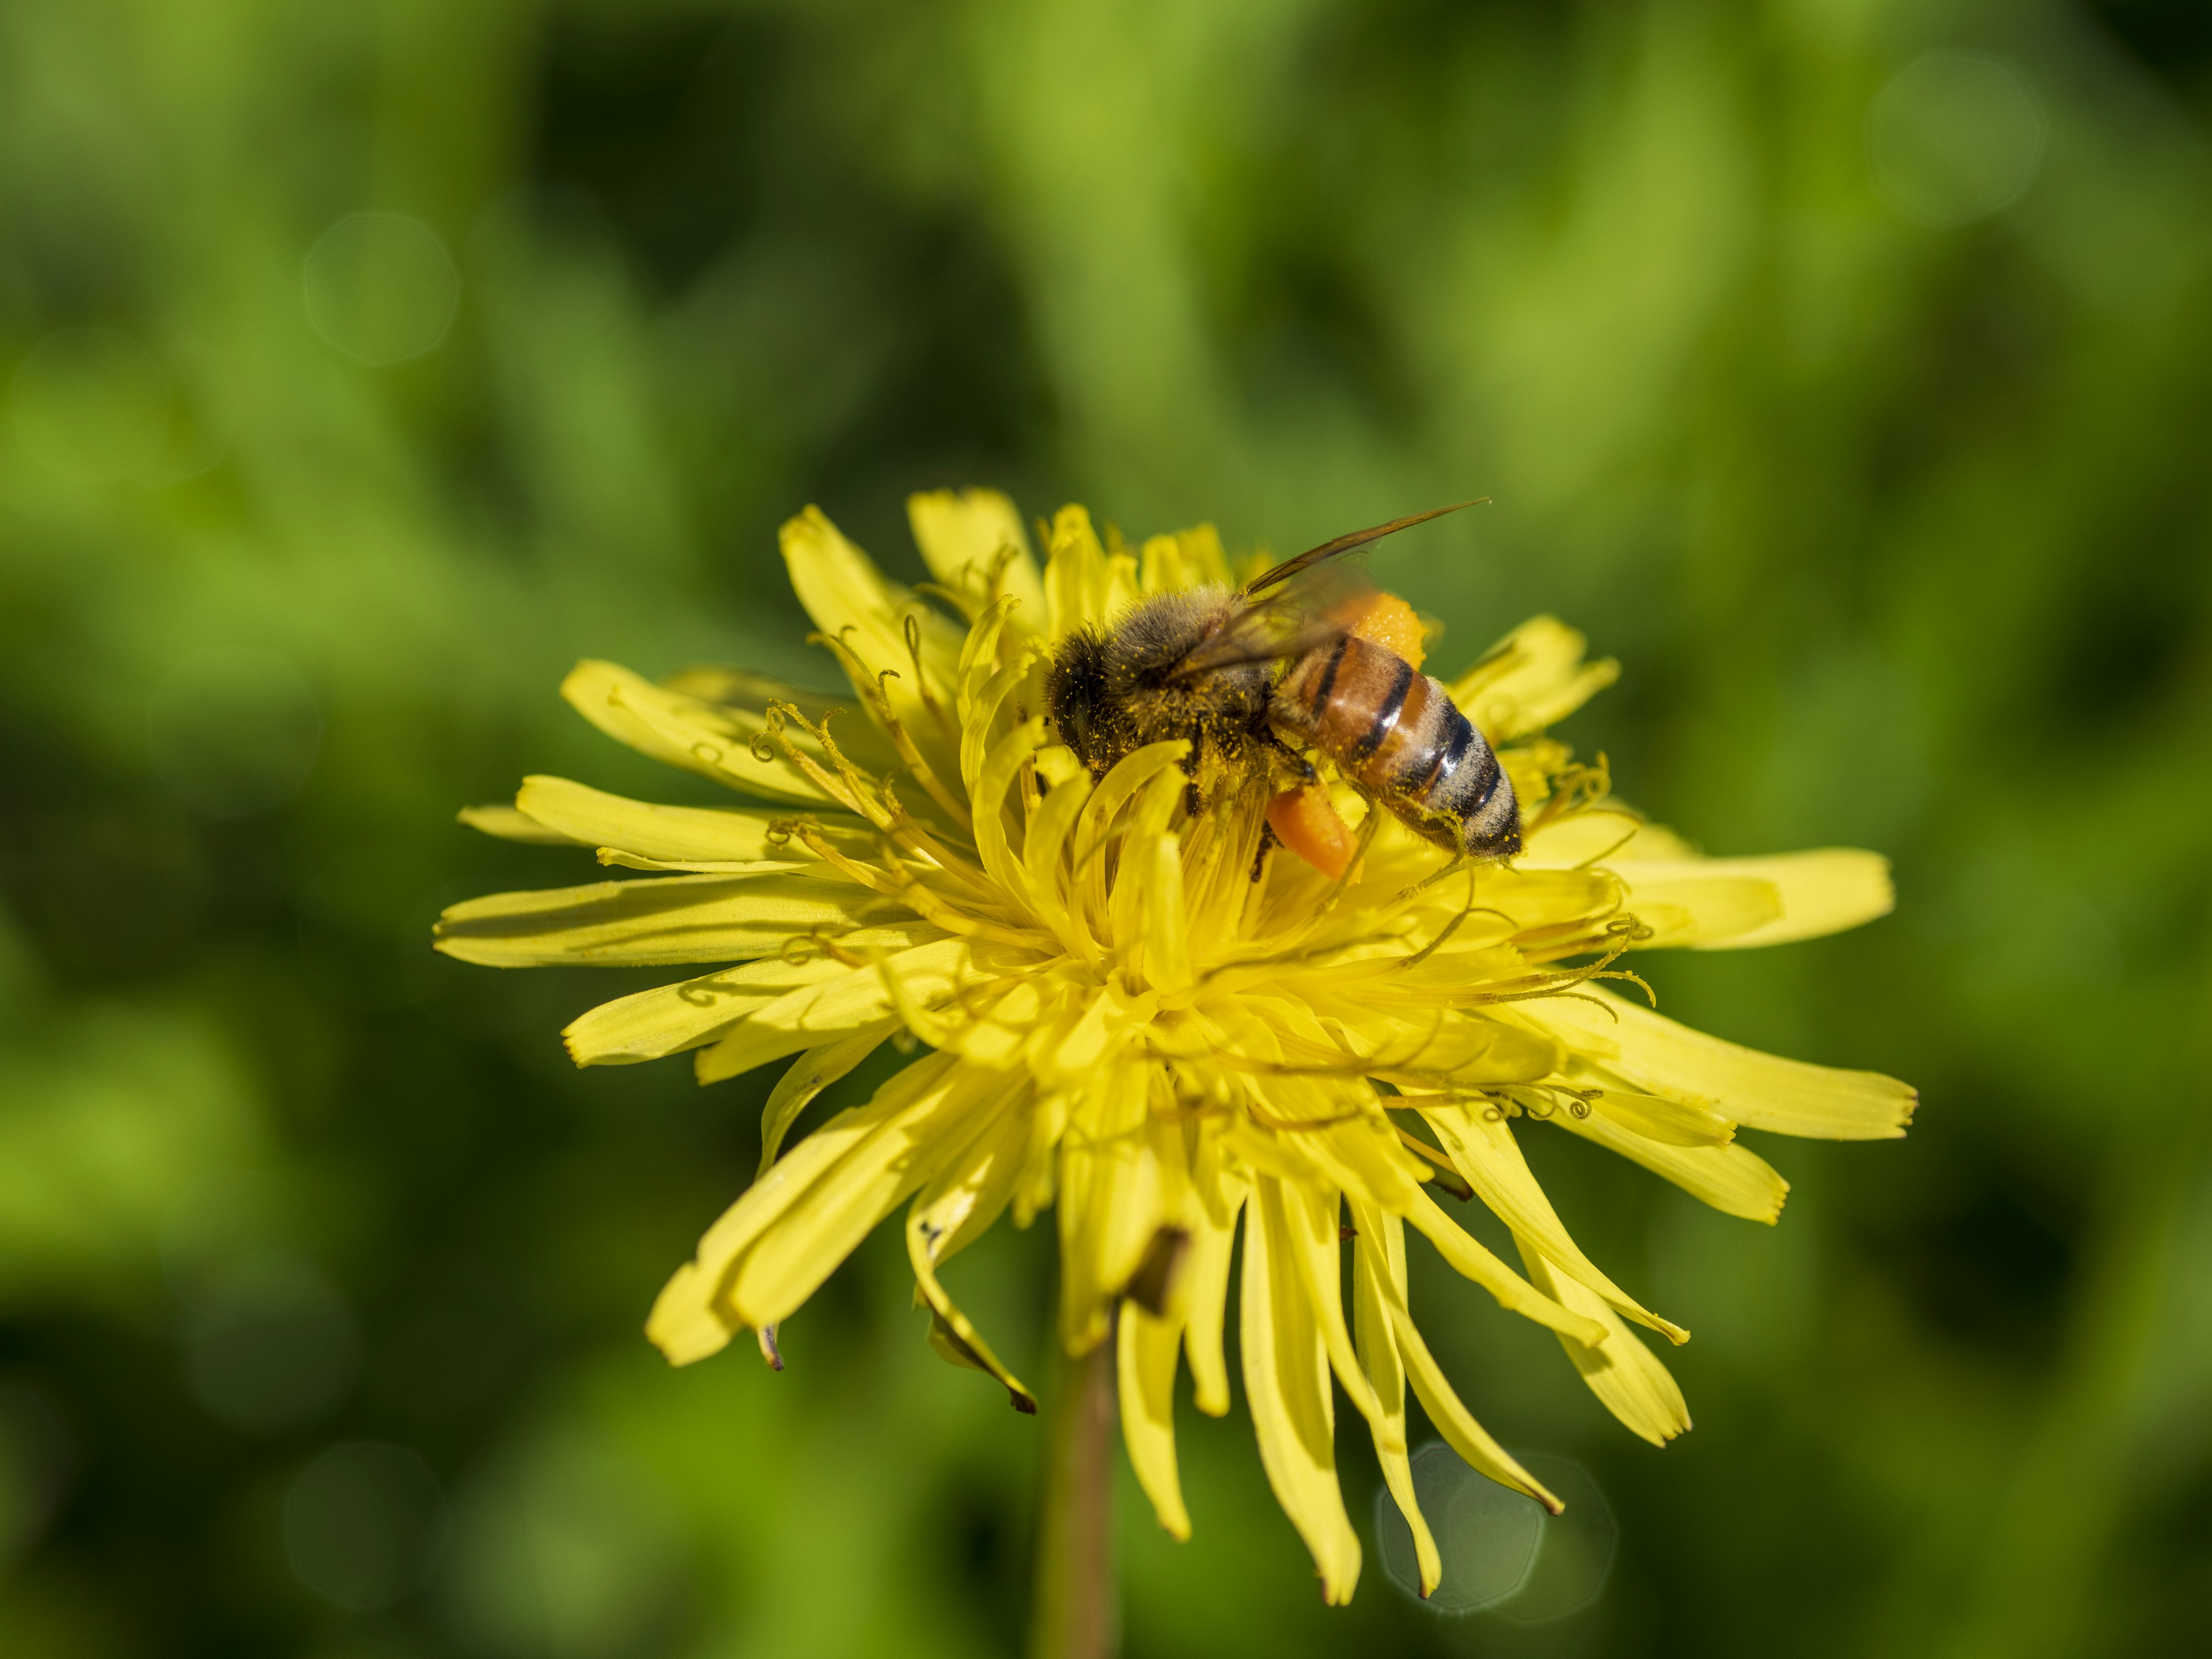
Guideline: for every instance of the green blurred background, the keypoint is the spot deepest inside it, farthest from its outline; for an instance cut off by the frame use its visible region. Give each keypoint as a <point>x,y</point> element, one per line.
<point>1844,366</point>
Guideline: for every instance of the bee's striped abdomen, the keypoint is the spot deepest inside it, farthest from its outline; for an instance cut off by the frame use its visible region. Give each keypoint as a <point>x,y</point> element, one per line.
<point>1471,788</point>
<point>1396,733</point>
<point>1351,695</point>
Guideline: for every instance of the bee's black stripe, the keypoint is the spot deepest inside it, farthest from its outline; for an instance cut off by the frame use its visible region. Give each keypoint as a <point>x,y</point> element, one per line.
<point>1467,789</point>
<point>1459,732</point>
<point>1493,774</point>
<point>1320,699</point>
<point>1386,714</point>
<point>1492,830</point>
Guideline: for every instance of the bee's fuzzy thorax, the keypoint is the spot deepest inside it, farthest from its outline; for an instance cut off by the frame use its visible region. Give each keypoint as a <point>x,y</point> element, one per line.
<point>1114,690</point>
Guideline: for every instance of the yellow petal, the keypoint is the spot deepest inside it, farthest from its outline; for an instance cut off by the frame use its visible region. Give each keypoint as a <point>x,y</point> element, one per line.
<point>1698,906</point>
<point>1733,1179</point>
<point>1363,1153</point>
<point>965,1201</point>
<point>509,825</point>
<point>1145,782</point>
<point>1217,1198</point>
<point>1314,1251</point>
<point>810,1074</point>
<point>1039,1180</point>
<point>965,1197</point>
<point>1422,1048</point>
<point>1812,894</point>
<point>1623,1373</point>
<point>685,1324</point>
<point>1043,869</point>
<point>616,858</point>
<point>1534,677</point>
<point>1280,1156</point>
<point>981,663</point>
<point>1671,1122</point>
<point>672,918</point>
<point>1484,1151</point>
<point>972,540</point>
<point>1101,1031</point>
<point>859,997</point>
<point>1762,1091</point>
<point>1453,1421</point>
<point>692,1307</point>
<point>1513,1293</point>
<point>998,1034</point>
<point>1111,1199</point>
<point>803,1242</point>
<point>750,695</point>
<point>1072,575</point>
<point>1380,1253</point>
<point>1286,1385</point>
<point>1532,898</point>
<point>1146,1360</point>
<point>1167,942</point>
<point>854,602</point>
<point>708,739</point>
<point>1607,833</point>
<point>676,835</point>
<point>1084,585</point>
<point>1187,559</point>
<point>1001,766</point>
<point>671,1018</point>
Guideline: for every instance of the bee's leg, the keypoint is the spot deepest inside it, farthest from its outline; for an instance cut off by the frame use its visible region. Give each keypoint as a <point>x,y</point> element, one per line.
<point>1194,803</point>
<point>1285,758</point>
<point>1268,843</point>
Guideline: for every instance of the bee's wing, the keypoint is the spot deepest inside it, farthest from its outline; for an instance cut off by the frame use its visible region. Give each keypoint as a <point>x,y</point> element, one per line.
<point>1316,608</point>
<point>1346,544</point>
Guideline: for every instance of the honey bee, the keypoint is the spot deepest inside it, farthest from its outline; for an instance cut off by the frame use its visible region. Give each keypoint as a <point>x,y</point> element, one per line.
<point>1258,675</point>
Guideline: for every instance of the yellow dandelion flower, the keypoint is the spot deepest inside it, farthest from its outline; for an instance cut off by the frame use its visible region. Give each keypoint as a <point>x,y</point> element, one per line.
<point>1140,1019</point>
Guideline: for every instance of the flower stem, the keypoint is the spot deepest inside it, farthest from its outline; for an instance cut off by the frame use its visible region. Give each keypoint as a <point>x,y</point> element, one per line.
<point>1076,1614</point>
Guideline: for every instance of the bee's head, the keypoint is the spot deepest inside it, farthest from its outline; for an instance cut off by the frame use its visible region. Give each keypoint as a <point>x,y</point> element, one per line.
<point>1078,697</point>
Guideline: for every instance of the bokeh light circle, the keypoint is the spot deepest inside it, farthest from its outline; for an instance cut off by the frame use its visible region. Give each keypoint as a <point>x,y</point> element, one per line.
<point>271,1345</point>
<point>1954,136</point>
<point>565,1548</point>
<point>1500,1552</point>
<point>364,1524</point>
<point>380,287</point>
<point>1575,1549</point>
<point>1486,1534</point>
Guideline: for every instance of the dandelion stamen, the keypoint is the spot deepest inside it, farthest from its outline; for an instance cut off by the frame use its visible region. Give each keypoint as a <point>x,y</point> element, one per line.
<point>847,787</point>
<point>910,626</point>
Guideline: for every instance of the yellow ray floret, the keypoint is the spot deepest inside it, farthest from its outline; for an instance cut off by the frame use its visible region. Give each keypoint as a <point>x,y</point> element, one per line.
<point>1138,1018</point>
